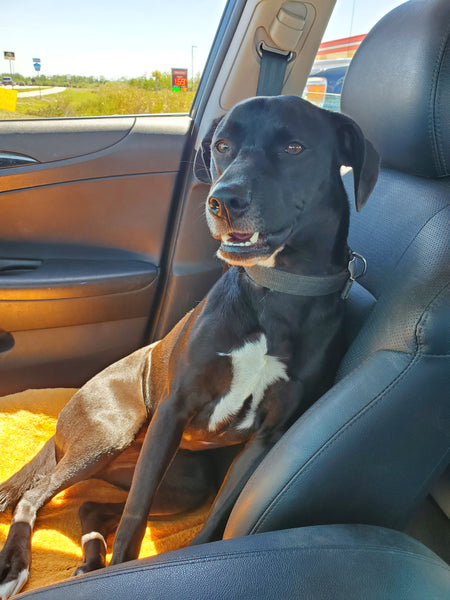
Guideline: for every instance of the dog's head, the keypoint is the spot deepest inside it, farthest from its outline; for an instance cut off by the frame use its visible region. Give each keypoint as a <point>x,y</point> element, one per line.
<point>274,165</point>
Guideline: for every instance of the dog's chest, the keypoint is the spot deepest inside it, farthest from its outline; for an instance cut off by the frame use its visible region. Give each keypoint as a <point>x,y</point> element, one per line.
<point>253,371</point>
<point>234,413</point>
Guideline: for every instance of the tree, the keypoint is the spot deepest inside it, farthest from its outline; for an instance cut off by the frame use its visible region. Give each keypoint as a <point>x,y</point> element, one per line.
<point>163,81</point>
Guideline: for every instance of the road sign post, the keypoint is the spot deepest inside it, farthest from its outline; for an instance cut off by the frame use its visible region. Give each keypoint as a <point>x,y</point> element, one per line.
<point>11,56</point>
<point>37,68</point>
<point>192,67</point>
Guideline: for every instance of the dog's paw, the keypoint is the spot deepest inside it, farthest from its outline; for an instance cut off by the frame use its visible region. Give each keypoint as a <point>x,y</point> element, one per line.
<point>14,567</point>
<point>14,572</point>
<point>15,560</point>
<point>13,584</point>
<point>87,567</point>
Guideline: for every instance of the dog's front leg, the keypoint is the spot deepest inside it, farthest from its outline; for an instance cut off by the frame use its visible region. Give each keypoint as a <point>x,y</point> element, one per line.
<point>160,445</point>
<point>283,409</point>
<point>237,476</point>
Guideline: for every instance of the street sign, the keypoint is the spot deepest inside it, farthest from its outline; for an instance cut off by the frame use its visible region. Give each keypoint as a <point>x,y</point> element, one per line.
<point>179,79</point>
<point>9,55</point>
<point>36,60</point>
<point>37,66</point>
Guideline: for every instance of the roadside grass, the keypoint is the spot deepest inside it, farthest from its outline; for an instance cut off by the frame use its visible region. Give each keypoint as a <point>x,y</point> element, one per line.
<point>112,98</point>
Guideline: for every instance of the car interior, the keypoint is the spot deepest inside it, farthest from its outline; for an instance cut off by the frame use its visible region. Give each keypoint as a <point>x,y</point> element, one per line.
<point>103,248</point>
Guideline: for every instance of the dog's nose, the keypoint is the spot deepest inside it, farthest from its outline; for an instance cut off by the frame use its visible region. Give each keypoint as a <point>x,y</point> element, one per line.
<point>215,207</point>
<point>227,205</point>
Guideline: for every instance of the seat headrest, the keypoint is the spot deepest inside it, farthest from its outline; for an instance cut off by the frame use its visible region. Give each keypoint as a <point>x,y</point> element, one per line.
<point>398,88</point>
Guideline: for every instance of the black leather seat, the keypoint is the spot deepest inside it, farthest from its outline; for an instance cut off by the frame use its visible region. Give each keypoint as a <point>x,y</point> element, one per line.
<point>328,498</point>
<point>334,562</point>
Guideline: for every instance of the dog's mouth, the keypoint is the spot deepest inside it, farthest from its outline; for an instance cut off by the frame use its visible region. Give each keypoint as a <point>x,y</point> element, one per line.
<point>249,248</point>
<point>237,240</point>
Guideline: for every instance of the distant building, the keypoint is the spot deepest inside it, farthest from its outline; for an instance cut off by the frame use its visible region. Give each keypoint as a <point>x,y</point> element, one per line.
<point>343,48</point>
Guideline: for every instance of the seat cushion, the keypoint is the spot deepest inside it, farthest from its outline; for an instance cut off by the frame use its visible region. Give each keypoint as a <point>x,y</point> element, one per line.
<point>340,562</point>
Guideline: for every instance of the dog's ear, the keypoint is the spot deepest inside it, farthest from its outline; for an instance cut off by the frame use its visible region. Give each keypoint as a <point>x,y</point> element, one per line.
<point>202,161</point>
<point>357,152</point>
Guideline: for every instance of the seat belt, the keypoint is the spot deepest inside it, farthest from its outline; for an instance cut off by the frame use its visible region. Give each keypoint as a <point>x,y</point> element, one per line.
<point>272,70</point>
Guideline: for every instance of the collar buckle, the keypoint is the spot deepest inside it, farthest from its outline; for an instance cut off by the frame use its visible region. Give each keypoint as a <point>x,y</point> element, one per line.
<point>357,267</point>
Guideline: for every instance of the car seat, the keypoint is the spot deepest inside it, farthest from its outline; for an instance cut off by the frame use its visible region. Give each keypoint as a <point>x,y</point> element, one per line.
<point>331,499</point>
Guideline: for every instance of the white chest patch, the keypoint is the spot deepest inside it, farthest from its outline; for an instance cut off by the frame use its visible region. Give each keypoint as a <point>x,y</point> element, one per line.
<point>253,371</point>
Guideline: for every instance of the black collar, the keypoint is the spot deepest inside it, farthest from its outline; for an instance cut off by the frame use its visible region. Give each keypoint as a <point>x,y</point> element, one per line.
<point>309,285</point>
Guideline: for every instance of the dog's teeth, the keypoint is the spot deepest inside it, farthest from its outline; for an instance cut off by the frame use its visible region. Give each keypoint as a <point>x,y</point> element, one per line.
<point>228,239</point>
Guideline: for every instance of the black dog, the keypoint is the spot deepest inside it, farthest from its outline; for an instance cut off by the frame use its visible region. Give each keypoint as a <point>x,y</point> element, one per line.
<point>242,366</point>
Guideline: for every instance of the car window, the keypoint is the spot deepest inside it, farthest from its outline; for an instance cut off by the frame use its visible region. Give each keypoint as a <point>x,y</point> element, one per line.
<point>348,26</point>
<point>107,57</point>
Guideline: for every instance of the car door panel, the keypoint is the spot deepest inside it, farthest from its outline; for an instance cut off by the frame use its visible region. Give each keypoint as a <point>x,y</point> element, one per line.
<point>81,242</point>
<point>57,139</point>
<point>151,144</point>
<point>94,212</point>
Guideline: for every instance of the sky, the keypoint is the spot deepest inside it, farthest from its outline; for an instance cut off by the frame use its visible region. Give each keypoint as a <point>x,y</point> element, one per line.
<point>132,38</point>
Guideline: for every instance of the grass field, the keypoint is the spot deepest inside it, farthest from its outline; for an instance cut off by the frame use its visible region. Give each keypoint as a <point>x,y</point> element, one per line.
<point>108,99</point>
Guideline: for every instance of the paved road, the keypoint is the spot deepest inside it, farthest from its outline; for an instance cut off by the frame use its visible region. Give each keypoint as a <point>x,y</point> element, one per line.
<point>43,92</point>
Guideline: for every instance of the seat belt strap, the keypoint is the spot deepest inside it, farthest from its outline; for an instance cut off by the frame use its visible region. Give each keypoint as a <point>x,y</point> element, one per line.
<point>272,71</point>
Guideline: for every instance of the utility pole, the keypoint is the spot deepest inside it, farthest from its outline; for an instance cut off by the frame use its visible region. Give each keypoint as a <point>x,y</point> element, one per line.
<point>192,67</point>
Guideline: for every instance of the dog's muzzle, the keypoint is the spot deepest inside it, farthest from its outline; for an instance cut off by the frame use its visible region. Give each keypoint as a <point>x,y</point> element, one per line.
<point>231,222</point>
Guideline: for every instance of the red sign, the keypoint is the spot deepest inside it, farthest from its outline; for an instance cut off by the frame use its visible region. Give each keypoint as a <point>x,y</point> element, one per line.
<point>179,78</point>
<point>180,81</point>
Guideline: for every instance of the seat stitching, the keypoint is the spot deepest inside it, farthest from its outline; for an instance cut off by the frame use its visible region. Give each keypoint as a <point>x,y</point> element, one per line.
<point>424,317</point>
<point>435,134</point>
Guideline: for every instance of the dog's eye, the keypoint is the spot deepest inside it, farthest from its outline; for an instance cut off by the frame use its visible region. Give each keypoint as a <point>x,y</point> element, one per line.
<point>222,146</point>
<point>293,148</point>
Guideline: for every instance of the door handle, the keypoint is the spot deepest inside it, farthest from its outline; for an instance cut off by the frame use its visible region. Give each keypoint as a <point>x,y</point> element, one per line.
<point>14,159</point>
<point>18,265</point>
